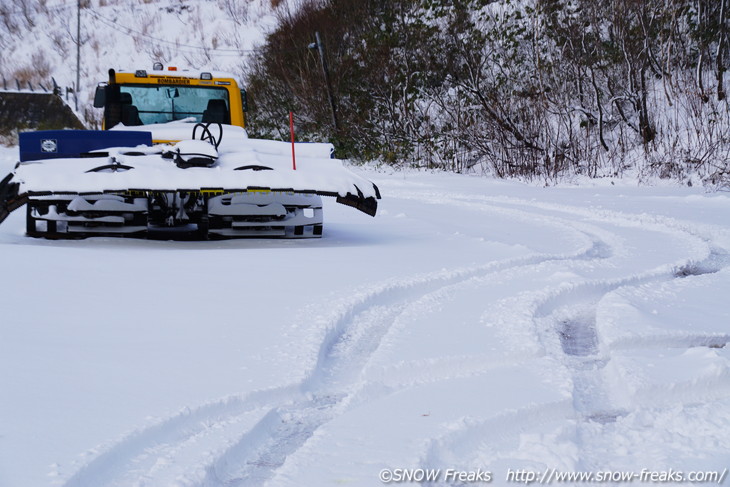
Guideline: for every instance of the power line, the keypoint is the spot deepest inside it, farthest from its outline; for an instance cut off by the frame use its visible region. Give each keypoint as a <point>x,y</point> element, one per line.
<point>129,31</point>
<point>148,38</point>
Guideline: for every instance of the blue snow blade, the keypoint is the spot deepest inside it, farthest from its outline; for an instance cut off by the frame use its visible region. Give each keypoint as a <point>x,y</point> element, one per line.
<point>56,144</point>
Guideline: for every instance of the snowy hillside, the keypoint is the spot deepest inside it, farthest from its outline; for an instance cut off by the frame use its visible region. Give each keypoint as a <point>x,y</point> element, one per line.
<point>133,34</point>
<point>519,88</point>
<point>499,330</point>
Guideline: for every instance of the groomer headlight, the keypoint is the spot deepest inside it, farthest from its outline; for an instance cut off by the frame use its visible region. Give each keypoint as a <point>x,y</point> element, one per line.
<point>140,73</point>
<point>207,76</point>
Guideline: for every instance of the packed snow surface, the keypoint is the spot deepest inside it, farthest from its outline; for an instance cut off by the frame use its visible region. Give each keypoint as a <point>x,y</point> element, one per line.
<point>483,326</point>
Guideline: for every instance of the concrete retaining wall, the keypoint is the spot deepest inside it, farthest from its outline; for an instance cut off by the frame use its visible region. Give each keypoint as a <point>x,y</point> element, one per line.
<point>21,111</point>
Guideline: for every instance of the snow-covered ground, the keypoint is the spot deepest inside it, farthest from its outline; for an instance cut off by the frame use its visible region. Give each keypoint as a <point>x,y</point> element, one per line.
<point>498,329</point>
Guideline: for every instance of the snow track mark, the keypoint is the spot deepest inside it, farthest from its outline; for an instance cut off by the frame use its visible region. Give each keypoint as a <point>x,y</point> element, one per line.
<point>256,455</point>
<point>566,318</point>
<point>146,450</point>
<point>334,382</point>
<point>251,437</point>
<point>578,335</point>
<point>352,338</point>
<point>283,418</point>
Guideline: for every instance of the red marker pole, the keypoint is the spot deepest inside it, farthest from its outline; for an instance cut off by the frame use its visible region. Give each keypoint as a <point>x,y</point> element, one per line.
<point>291,129</point>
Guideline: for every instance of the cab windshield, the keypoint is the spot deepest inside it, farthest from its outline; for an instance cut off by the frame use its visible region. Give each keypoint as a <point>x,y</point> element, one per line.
<point>161,104</point>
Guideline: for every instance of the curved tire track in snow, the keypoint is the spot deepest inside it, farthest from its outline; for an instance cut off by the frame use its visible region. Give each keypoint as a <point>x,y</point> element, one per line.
<point>351,340</point>
<point>283,419</point>
<point>141,450</point>
<point>258,454</point>
<point>566,320</point>
<point>288,416</point>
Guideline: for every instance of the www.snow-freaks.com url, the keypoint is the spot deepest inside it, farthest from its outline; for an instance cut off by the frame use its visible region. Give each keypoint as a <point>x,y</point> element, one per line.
<point>554,476</point>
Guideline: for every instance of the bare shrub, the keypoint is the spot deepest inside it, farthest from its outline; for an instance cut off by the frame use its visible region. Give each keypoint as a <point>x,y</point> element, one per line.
<point>60,42</point>
<point>27,10</point>
<point>8,18</point>
<point>38,71</point>
<point>92,117</point>
<point>159,54</point>
<point>236,10</point>
<point>9,139</point>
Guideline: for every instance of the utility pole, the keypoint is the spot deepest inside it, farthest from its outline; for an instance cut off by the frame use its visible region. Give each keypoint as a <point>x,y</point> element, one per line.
<point>78,53</point>
<point>720,48</point>
<point>326,72</point>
